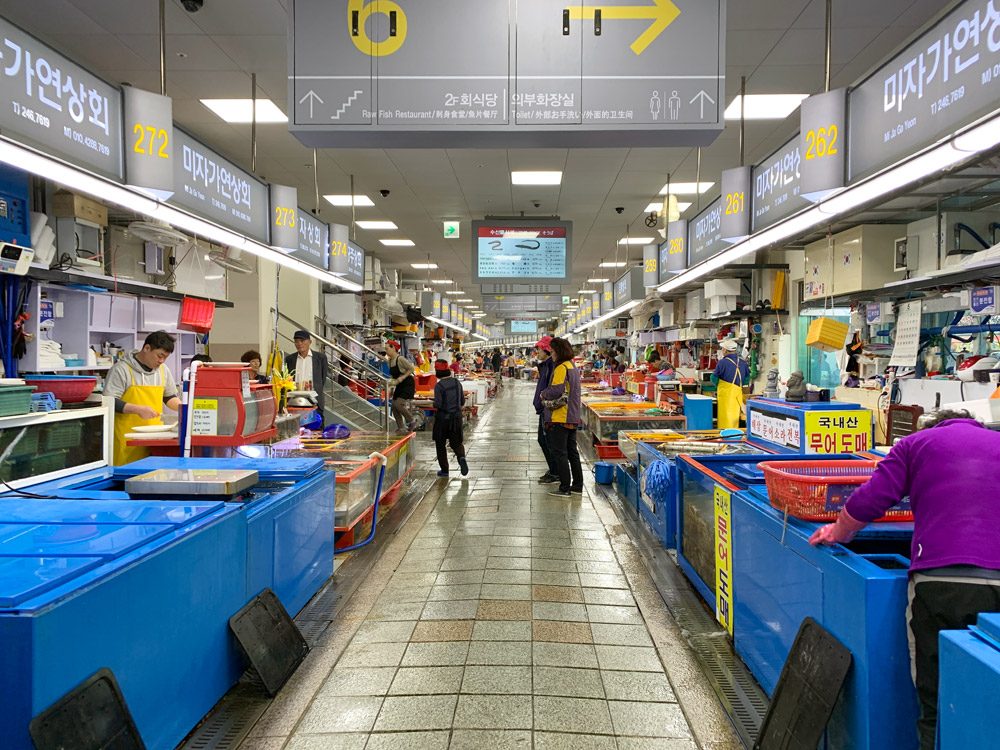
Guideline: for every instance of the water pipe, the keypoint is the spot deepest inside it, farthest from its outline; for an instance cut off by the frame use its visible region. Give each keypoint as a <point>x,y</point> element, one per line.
<point>378,497</point>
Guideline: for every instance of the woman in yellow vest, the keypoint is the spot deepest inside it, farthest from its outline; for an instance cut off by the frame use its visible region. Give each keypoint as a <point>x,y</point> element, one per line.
<point>730,375</point>
<point>140,385</point>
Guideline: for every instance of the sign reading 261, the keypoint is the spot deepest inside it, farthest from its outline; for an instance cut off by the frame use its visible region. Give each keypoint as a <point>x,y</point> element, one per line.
<point>358,13</point>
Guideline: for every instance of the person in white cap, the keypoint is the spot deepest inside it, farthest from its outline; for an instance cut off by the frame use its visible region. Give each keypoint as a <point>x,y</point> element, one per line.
<point>730,375</point>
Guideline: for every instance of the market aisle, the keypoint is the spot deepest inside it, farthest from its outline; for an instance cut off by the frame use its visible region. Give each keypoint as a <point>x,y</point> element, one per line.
<point>500,617</point>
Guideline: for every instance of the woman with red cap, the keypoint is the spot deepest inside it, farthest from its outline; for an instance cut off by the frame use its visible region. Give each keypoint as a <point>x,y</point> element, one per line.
<point>449,398</point>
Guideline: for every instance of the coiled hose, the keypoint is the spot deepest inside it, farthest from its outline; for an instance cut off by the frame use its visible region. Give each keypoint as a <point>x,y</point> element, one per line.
<point>378,496</point>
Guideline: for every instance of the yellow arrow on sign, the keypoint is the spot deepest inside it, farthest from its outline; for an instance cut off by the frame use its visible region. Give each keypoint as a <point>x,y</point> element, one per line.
<point>662,12</point>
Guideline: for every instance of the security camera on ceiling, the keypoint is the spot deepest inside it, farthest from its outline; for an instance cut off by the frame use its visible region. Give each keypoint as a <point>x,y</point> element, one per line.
<point>620,209</point>
<point>192,6</point>
<point>384,193</point>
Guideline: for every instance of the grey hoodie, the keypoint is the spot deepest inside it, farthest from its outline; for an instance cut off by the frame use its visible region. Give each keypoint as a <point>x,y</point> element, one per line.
<point>128,371</point>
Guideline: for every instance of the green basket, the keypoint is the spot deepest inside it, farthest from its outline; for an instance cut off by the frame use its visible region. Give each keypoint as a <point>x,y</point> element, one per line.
<point>46,462</point>
<point>27,446</point>
<point>63,435</point>
<point>15,399</point>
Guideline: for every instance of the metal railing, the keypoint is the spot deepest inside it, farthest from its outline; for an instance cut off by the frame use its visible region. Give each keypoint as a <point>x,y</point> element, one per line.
<point>336,370</point>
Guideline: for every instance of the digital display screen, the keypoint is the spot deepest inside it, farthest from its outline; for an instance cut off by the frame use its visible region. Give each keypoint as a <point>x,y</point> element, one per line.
<point>524,326</point>
<point>518,251</point>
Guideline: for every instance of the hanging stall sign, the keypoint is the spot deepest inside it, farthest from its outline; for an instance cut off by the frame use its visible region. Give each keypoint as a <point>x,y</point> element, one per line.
<point>705,234</point>
<point>629,287</point>
<point>595,304</point>
<point>942,81</point>
<point>56,105</point>
<point>373,73</point>
<point>218,190</point>
<point>776,186</point>
<point>736,187</point>
<point>285,218</point>
<point>149,132</point>
<point>822,143</point>
<point>430,304</point>
<point>608,297</point>
<point>445,310</point>
<point>673,251</point>
<point>650,265</point>
<point>313,241</point>
<point>347,259</point>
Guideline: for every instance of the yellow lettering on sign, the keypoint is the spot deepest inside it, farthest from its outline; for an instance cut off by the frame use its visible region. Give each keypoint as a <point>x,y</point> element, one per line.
<point>676,246</point>
<point>650,265</point>
<point>822,142</point>
<point>155,145</point>
<point>284,217</point>
<point>723,558</point>
<point>338,248</point>
<point>735,203</point>
<point>366,10</point>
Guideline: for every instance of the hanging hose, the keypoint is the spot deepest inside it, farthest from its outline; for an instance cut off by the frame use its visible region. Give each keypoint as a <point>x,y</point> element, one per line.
<point>378,497</point>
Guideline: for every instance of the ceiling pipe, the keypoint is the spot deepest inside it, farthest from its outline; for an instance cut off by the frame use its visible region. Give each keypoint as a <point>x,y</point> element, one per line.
<point>163,47</point>
<point>253,123</point>
<point>829,45</point>
<point>743,121</point>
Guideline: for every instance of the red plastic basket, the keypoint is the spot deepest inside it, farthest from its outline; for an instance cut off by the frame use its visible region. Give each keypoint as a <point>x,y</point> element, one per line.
<point>817,490</point>
<point>196,315</point>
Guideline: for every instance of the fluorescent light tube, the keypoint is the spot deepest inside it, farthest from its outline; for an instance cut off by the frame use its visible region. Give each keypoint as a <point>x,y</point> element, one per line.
<point>398,243</point>
<point>598,281</point>
<point>687,188</point>
<point>360,201</point>
<point>377,225</point>
<point>765,106</point>
<point>613,264</point>
<point>536,178</point>
<point>635,240</point>
<point>240,111</point>
<point>424,266</point>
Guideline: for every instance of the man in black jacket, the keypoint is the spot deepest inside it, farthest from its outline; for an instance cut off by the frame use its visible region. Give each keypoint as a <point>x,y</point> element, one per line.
<point>543,359</point>
<point>309,368</point>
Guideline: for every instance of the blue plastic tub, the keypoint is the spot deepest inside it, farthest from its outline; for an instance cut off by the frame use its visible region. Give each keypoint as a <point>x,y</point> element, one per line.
<point>604,472</point>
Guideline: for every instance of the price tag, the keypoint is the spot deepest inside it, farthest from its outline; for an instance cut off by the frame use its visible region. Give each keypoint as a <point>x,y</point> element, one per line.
<point>205,419</point>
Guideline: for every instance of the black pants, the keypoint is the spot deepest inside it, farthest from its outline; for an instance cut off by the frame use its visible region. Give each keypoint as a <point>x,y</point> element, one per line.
<point>938,604</point>
<point>543,442</point>
<point>448,431</point>
<point>565,456</point>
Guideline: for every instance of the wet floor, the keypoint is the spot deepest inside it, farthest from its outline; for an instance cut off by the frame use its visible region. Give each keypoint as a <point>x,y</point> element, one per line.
<point>500,617</point>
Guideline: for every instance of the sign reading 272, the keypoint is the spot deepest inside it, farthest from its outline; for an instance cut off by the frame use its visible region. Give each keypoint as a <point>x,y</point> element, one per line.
<point>358,13</point>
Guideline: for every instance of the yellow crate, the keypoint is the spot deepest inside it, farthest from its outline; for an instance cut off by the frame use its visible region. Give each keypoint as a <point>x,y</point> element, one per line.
<point>827,334</point>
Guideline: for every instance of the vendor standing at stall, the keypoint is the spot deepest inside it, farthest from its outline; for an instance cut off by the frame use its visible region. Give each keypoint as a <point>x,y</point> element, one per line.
<point>947,473</point>
<point>141,385</point>
<point>309,368</point>
<point>730,375</point>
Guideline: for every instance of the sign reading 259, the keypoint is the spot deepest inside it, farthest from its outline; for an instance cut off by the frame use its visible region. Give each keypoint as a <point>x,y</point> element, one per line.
<point>358,13</point>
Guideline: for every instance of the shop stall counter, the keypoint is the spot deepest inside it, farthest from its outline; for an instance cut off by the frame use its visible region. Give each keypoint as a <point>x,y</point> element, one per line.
<point>969,687</point>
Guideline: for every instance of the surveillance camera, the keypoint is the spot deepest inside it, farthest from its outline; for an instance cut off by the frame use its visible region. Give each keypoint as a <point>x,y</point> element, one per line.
<point>192,6</point>
<point>620,209</point>
<point>536,204</point>
<point>384,193</point>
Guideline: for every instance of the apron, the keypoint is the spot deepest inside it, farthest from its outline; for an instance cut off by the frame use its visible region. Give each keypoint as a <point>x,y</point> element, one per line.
<point>141,395</point>
<point>448,426</point>
<point>730,399</point>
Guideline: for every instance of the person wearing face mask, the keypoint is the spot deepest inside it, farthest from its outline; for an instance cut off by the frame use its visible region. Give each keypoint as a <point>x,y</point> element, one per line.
<point>730,375</point>
<point>141,386</point>
<point>544,365</point>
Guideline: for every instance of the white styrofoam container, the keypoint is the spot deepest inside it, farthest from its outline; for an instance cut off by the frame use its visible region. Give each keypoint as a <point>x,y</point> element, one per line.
<point>723,288</point>
<point>985,409</point>
<point>721,305</point>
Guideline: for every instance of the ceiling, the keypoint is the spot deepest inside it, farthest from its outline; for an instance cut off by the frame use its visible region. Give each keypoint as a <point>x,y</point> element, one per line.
<point>777,44</point>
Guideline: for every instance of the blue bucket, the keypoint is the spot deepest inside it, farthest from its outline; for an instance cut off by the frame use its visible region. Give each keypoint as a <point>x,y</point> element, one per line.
<point>604,473</point>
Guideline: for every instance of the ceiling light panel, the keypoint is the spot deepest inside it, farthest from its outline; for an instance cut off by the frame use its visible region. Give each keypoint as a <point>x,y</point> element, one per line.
<point>657,208</point>
<point>598,281</point>
<point>613,264</point>
<point>635,240</point>
<point>377,225</point>
<point>424,266</point>
<point>360,201</point>
<point>398,243</point>
<point>440,281</point>
<point>536,178</point>
<point>687,188</point>
<point>241,110</point>
<point>765,106</point>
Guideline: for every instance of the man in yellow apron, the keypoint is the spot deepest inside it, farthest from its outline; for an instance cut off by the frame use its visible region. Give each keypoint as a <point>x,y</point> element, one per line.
<point>730,375</point>
<point>140,385</point>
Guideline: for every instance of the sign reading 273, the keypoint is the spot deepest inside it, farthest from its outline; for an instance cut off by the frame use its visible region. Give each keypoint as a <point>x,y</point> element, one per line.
<point>358,13</point>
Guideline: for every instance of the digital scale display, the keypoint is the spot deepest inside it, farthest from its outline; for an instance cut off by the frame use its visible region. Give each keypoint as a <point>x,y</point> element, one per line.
<point>519,251</point>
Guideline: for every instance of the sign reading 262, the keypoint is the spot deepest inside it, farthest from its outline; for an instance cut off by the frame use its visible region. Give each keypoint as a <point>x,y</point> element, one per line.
<point>358,13</point>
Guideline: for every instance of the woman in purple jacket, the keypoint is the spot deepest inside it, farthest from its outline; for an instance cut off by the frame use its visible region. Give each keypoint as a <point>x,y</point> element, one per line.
<point>949,473</point>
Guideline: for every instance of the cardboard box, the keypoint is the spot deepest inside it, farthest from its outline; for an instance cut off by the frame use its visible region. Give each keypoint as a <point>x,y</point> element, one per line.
<point>722,305</point>
<point>72,206</point>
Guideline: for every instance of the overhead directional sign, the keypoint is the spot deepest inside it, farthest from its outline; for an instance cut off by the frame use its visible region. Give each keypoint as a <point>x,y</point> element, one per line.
<point>945,79</point>
<point>522,289</point>
<point>385,72</point>
<point>53,103</point>
<point>521,303</point>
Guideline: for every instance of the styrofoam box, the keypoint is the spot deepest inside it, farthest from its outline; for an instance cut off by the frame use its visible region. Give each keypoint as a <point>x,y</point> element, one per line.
<point>984,409</point>
<point>723,288</point>
<point>721,305</point>
<point>695,305</point>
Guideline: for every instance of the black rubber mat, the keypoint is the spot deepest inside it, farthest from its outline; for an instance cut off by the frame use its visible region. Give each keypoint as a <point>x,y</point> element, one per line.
<point>269,639</point>
<point>807,690</point>
<point>91,716</point>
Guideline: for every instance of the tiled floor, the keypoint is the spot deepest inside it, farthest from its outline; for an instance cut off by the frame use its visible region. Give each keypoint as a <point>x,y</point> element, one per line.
<point>507,621</point>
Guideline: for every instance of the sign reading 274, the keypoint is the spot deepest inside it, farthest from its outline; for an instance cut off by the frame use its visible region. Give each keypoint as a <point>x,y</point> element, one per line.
<point>358,13</point>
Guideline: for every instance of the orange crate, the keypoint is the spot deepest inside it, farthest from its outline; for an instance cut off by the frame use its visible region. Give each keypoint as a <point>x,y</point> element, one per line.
<point>817,490</point>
